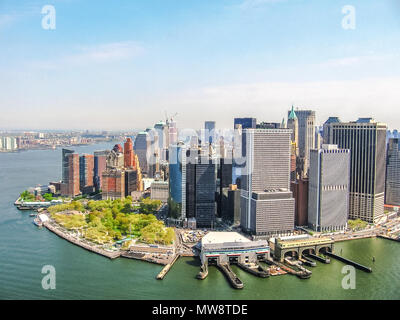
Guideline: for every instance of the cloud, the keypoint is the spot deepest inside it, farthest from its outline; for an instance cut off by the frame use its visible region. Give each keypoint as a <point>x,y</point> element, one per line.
<point>269,101</point>
<point>107,52</point>
<point>98,54</point>
<point>357,60</point>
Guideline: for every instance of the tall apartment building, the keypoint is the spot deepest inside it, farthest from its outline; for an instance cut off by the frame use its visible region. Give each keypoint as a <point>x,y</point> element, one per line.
<point>86,173</point>
<point>100,165</point>
<point>366,140</point>
<point>65,165</point>
<point>70,185</point>
<point>306,136</point>
<point>267,204</point>
<point>113,184</point>
<point>328,192</point>
<point>393,172</point>
<point>142,149</point>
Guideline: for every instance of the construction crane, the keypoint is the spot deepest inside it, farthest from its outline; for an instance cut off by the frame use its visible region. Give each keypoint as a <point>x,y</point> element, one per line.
<point>169,119</point>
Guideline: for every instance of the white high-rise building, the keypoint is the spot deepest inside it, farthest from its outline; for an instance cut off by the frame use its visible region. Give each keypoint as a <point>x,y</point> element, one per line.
<point>328,189</point>
<point>267,204</point>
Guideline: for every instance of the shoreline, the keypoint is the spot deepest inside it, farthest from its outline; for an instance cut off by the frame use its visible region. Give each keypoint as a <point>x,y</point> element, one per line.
<point>55,228</point>
<point>64,235</point>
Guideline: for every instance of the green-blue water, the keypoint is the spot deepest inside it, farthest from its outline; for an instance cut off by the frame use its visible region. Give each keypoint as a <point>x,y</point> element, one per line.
<point>25,249</point>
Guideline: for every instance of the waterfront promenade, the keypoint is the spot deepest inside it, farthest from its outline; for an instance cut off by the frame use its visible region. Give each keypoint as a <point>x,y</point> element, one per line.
<point>82,243</point>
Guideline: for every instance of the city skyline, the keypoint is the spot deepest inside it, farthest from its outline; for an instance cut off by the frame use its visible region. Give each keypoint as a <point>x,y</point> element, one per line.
<point>240,57</point>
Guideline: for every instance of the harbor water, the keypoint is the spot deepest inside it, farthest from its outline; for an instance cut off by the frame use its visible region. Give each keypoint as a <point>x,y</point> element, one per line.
<point>25,249</point>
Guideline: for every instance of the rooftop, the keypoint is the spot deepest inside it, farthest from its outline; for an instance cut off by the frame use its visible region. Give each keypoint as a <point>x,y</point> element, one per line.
<point>222,237</point>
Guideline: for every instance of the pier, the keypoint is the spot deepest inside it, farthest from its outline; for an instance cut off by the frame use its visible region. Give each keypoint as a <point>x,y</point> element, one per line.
<point>203,272</point>
<point>354,264</point>
<point>318,258</point>
<point>254,269</point>
<point>165,270</point>
<point>230,275</point>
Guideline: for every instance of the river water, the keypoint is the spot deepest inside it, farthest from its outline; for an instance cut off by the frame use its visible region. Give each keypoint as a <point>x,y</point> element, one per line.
<point>25,249</point>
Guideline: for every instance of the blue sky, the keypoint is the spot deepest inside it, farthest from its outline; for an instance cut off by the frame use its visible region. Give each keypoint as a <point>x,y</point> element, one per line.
<point>121,64</point>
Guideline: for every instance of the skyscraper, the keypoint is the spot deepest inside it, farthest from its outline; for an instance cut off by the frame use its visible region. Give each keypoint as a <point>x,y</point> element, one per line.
<point>306,136</point>
<point>173,132</point>
<point>113,184</point>
<point>328,193</point>
<point>366,140</point>
<point>326,128</point>
<point>100,165</point>
<point>163,138</point>
<point>206,177</point>
<point>177,182</point>
<point>65,166</point>
<point>86,171</point>
<point>293,124</point>
<point>142,149</point>
<point>129,156</point>
<point>393,172</point>
<point>267,204</point>
<point>70,185</point>
<point>209,134</point>
<point>246,123</point>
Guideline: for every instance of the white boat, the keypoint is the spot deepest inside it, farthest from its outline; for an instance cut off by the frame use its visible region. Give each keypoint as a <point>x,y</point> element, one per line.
<point>38,222</point>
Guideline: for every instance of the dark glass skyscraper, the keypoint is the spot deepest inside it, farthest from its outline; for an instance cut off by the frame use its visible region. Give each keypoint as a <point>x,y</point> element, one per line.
<point>206,177</point>
<point>246,123</point>
<point>393,172</point>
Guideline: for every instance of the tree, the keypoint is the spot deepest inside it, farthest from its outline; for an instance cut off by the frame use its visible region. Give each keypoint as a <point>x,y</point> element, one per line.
<point>48,196</point>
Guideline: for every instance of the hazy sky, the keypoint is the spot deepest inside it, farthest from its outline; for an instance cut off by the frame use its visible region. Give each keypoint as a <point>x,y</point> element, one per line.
<point>122,64</point>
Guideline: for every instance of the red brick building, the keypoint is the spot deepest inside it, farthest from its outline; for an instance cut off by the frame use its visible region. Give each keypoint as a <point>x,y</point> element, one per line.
<point>129,155</point>
<point>113,184</point>
<point>70,187</point>
<point>300,193</point>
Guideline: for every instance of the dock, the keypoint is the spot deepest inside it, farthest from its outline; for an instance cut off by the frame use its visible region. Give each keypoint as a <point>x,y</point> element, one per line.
<point>254,269</point>
<point>203,272</point>
<point>230,275</point>
<point>348,261</point>
<point>167,267</point>
<point>318,258</point>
